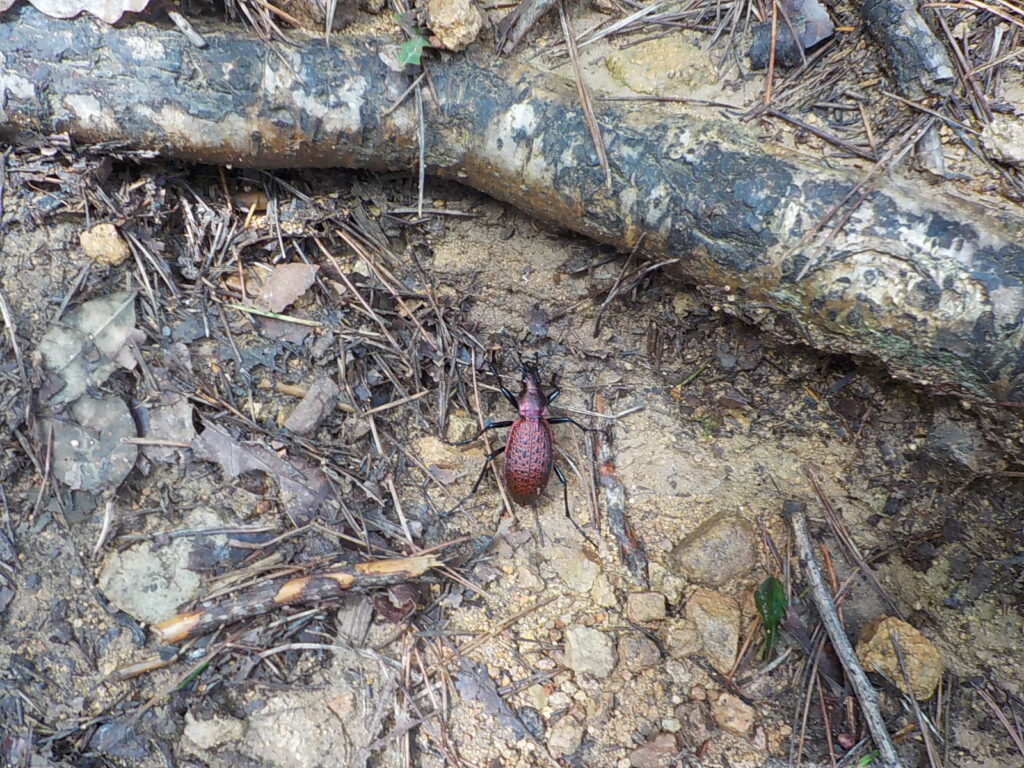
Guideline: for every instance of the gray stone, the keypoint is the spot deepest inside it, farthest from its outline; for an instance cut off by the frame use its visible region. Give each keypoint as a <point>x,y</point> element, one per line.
<point>716,618</point>
<point>1004,138</point>
<point>959,444</point>
<point>574,568</point>
<point>720,549</point>
<point>656,753</point>
<point>589,651</point>
<point>638,652</point>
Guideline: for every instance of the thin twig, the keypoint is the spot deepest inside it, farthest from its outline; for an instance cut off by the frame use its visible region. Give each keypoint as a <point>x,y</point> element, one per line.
<point>108,516</point>
<point>631,549</point>
<point>584,96</point>
<point>923,725</point>
<point>1001,717</point>
<point>421,137</point>
<point>866,694</point>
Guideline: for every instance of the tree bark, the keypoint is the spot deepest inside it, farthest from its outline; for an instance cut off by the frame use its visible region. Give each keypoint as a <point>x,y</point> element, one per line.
<point>930,285</point>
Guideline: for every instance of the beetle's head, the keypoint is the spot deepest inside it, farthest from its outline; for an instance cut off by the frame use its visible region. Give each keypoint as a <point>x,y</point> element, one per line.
<point>530,375</point>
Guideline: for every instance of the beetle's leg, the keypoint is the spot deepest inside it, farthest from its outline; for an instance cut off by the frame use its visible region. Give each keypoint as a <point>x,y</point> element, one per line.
<point>488,425</point>
<point>504,390</point>
<point>487,462</point>
<point>565,498</point>
<point>555,389</point>
<point>568,420</point>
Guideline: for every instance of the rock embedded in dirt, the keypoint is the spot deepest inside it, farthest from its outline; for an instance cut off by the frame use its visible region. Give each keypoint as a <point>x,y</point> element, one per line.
<point>603,594</point>
<point>318,403</point>
<point>565,736</point>
<point>213,733</point>
<point>656,753</point>
<point>732,715</point>
<point>662,66</point>
<point>589,651</point>
<point>716,618</point>
<point>574,568</point>
<point>958,443</point>
<point>720,549</point>
<point>104,245</point>
<point>455,22</point>
<point>638,652</point>
<point>529,579</point>
<point>642,607</point>
<point>681,638</point>
<point>921,658</point>
<point>1004,138</point>
<point>149,582</point>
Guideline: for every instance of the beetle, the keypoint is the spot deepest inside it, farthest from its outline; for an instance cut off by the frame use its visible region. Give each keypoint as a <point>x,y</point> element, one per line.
<point>529,448</point>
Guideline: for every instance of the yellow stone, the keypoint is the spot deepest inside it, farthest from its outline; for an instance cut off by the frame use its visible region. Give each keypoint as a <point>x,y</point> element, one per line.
<point>920,657</point>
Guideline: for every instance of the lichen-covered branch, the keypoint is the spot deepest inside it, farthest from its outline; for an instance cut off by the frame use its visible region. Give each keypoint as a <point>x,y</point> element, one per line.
<point>930,285</point>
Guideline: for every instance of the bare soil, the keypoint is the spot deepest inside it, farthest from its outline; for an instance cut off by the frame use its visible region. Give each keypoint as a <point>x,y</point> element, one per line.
<point>730,422</point>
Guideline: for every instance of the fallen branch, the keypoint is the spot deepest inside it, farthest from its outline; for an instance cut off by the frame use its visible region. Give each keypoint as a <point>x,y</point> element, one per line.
<point>305,589</point>
<point>866,694</point>
<point>916,59</point>
<point>930,285</point>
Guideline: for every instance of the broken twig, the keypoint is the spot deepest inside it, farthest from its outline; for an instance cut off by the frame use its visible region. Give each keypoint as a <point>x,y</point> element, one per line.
<point>304,589</point>
<point>866,694</point>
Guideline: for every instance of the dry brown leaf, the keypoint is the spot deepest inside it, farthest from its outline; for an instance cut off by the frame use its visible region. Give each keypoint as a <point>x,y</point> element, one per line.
<point>304,488</point>
<point>286,284</point>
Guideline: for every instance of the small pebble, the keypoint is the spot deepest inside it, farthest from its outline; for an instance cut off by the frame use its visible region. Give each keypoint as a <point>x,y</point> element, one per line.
<point>732,714</point>
<point>642,607</point>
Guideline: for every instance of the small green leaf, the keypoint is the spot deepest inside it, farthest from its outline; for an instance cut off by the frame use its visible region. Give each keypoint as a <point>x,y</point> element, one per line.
<point>770,599</point>
<point>411,51</point>
<point>867,759</point>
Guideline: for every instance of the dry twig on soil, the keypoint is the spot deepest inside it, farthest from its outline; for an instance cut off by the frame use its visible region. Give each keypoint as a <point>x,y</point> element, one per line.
<point>303,589</point>
<point>866,694</point>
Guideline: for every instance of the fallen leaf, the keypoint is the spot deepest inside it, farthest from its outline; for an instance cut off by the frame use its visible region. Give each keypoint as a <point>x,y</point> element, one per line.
<point>286,284</point>
<point>304,488</point>
<point>89,345</point>
<point>169,419</point>
<point>88,453</point>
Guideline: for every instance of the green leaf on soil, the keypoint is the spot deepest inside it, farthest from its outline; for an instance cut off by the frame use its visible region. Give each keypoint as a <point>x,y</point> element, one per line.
<point>770,599</point>
<point>411,51</point>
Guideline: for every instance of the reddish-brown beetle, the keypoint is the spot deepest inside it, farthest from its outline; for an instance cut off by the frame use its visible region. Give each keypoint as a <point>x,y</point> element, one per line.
<point>528,449</point>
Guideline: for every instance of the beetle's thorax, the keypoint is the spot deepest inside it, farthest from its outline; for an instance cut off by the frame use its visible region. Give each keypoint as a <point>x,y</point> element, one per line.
<point>533,404</point>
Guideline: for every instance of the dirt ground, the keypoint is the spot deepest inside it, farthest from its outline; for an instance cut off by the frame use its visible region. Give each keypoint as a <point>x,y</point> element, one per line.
<point>527,649</point>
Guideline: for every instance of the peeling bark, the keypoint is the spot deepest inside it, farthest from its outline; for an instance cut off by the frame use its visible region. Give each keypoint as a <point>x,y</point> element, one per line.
<point>930,285</point>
